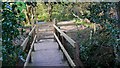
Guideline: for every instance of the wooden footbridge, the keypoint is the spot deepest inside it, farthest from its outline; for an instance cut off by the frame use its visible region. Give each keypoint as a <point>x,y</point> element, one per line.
<point>50,46</point>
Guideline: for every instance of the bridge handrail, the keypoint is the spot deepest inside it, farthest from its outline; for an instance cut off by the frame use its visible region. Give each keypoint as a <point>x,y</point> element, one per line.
<point>65,52</point>
<point>71,41</point>
<point>61,38</point>
<point>23,45</point>
<point>66,23</point>
<point>29,53</point>
<point>28,45</point>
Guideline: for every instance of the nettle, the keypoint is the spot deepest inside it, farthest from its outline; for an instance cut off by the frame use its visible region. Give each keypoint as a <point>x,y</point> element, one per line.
<point>12,16</point>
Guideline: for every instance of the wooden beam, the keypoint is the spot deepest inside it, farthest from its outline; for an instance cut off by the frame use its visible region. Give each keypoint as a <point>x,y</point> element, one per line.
<point>23,45</point>
<point>72,22</point>
<point>28,56</point>
<point>32,30</point>
<point>65,52</point>
<point>68,24</point>
<point>71,41</point>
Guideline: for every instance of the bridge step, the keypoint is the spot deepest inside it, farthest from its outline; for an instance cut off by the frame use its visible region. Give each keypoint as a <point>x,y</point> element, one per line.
<point>47,54</point>
<point>47,38</point>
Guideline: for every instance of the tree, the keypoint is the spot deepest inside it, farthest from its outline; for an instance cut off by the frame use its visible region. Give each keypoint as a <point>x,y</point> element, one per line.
<point>30,12</point>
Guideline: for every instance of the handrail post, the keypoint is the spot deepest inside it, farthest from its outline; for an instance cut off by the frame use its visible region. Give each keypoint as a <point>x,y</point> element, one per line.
<point>59,36</point>
<point>33,37</point>
<point>55,22</point>
<point>55,31</point>
<point>37,31</point>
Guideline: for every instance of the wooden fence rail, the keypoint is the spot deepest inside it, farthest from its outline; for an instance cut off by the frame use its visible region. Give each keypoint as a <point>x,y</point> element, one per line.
<point>62,39</point>
<point>30,35</point>
<point>30,51</point>
<point>28,45</point>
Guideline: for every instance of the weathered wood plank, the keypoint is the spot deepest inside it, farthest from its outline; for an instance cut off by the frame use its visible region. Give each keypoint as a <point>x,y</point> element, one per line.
<point>32,30</point>
<point>71,41</point>
<point>65,52</point>
<point>68,24</point>
<point>24,44</point>
<point>28,56</point>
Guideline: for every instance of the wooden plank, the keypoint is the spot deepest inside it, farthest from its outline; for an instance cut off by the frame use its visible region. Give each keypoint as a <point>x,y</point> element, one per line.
<point>23,45</point>
<point>32,30</point>
<point>72,22</point>
<point>54,21</point>
<point>65,52</point>
<point>68,24</point>
<point>28,56</point>
<point>71,41</point>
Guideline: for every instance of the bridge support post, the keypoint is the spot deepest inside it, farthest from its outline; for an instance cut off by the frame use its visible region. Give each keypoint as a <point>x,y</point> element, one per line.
<point>31,39</point>
<point>55,31</point>
<point>58,34</point>
<point>30,59</point>
<point>34,33</point>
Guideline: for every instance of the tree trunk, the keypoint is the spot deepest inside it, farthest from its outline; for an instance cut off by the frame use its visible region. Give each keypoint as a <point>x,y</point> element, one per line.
<point>50,7</point>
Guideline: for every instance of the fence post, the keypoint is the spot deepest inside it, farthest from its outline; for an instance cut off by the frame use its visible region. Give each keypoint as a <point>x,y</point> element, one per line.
<point>30,59</point>
<point>37,31</point>
<point>59,35</point>
<point>33,38</point>
<point>77,60</point>
<point>55,31</point>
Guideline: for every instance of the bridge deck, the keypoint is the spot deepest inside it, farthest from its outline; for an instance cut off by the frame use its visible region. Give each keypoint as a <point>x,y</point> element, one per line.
<point>47,52</point>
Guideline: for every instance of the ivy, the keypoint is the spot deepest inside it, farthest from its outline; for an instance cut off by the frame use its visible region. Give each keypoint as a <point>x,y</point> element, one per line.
<point>94,49</point>
<point>12,19</point>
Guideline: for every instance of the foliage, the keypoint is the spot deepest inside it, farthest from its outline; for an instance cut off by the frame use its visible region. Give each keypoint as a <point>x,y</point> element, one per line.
<point>42,12</point>
<point>21,6</point>
<point>101,49</point>
<point>60,11</point>
<point>30,13</point>
<point>12,18</point>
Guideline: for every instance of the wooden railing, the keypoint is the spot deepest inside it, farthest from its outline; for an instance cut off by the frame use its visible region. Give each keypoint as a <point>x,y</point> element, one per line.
<point>28,45</point>
<point>70,50</point>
